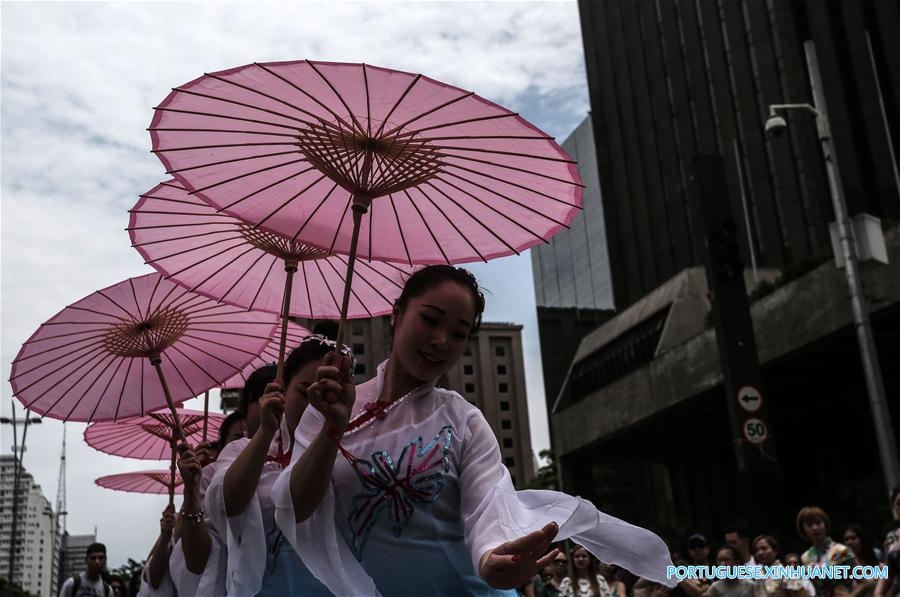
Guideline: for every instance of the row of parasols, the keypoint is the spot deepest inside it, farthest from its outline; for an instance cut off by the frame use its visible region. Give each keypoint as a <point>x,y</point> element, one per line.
<point>296,189</point>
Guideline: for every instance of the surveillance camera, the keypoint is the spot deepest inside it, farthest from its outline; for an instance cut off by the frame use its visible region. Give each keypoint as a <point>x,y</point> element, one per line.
<point>775,126</point>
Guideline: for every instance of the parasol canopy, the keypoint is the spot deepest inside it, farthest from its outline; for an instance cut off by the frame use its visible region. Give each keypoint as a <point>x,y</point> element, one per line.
<point>149,437</point>
<point>133,348</point>
<point>427,172</point>
<point>223,258</point>
<point>443,175</point>
<point>155,481</point>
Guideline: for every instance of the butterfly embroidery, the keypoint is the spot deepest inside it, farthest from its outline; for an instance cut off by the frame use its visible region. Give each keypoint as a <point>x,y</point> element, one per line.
<point>417,477</point>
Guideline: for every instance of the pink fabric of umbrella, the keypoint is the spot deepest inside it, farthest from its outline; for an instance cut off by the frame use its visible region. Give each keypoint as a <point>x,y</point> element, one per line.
<point>291,147</point>
<point>134,348</point>
<point>295,333</point>
<point>149,437</point>
<point>155,481</point>
<point>440,174</point>
<point>222,258</point>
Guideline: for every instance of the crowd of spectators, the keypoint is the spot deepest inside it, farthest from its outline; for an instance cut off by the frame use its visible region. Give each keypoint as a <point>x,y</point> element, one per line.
<point>576,573</point>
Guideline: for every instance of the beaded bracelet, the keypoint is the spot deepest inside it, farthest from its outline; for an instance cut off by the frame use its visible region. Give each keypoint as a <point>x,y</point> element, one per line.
<point>193,517</point>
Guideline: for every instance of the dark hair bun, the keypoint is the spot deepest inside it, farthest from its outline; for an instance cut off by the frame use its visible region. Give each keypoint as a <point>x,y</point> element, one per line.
<point>327,328</point>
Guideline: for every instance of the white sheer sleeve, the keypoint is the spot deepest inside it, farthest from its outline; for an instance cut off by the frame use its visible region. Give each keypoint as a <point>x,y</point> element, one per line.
<point>316,540</point>
<point>211,581</point>
<point>165,588</point>
<point>244,535</point>
<point>494,512</point>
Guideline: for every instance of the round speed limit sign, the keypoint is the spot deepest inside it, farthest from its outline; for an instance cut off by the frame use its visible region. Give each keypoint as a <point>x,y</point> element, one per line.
<point>755,431</point>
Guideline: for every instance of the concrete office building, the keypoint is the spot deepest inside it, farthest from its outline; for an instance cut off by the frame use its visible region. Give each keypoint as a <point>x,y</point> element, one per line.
<point>572,283</point>
<point>36,556</point>
<point>640,424</point>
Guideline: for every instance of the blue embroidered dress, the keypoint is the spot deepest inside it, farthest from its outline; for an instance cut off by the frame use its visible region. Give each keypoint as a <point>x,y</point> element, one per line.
<point>427,498</point>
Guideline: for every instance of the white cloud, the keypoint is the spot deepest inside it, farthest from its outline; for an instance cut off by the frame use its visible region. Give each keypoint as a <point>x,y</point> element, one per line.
<point>79,81</point>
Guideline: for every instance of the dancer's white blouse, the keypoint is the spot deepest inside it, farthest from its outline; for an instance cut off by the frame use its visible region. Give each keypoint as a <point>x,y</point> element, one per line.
<point>245,534</point>
<point>211,581</point>
<point>451,500</point>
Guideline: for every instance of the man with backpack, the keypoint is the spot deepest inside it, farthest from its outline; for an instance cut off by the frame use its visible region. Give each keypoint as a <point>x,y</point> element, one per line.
<point>89,583</point>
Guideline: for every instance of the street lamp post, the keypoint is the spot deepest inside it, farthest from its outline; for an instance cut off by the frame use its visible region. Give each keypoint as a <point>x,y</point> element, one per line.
<point>18,455</point>
<point>775,125</point>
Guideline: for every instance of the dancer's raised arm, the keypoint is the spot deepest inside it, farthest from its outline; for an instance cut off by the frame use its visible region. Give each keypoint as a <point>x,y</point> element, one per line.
<point>195,541</point>
<point>333,395</point>
<point>242,477</point>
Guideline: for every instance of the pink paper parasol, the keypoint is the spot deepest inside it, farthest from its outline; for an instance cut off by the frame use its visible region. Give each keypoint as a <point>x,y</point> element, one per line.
<point>295,333</point>
<point>157,481</point>
<point>149,437</point>
<point>134,348</point>
<point>224,259</point>
<point>440,174</point>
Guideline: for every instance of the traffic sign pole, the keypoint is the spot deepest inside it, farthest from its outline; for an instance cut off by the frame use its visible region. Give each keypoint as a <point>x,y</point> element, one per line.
<point>759,476</point>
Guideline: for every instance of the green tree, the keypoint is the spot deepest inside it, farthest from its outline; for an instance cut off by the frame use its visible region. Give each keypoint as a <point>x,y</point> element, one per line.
<point>11,589</point>
<point>546,476</point>
<point>127,570</point>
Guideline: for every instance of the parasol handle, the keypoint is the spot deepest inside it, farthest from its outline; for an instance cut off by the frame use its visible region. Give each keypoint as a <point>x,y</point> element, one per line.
<point>205,412</point>
<point>290,268</point>
<point>155,360</point>
<point>359,208</point>
<point>172,478</point>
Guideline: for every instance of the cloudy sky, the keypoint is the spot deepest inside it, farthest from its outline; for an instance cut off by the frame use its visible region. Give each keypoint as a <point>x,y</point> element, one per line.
<point>79,81</point>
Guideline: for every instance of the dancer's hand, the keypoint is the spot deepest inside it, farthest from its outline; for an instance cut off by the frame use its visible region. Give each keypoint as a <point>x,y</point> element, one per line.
<point>167,522</point>
<point>189,467</point>
<point>271,408</point>
<point>333,393</point>
<point>515,563</point>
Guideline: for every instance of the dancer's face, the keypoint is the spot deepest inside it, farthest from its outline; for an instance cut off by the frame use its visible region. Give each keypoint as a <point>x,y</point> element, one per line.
<point>296,391</point>
<point>237,430</point>
<point>251,418</point>
<point>432,330</point>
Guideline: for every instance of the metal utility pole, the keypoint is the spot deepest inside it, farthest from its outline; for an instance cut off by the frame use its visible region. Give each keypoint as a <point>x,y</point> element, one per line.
<point>881,416</point>
<point>758,473</point>
<point>18,455</point>
<point>61,512</point>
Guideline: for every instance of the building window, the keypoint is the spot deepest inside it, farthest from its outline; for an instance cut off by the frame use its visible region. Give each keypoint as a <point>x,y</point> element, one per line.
<point>470,388</point>
<point>359,349</point>
<point>501,369</point>
<point>468,370</point>
<point>507,442</point>
<point>357,329</point>
<point>468,351</point>
<point>504,405</point>
<point>506,424</point>
<point>509,461</point>
<point>503,388</point>
<point>360,369</point>
<point>500,351</point>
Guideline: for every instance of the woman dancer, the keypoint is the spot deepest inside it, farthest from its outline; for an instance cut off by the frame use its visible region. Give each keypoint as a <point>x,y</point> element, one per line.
<point>238,501</point>
<point>197,564</point>
<point>419,500</point>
